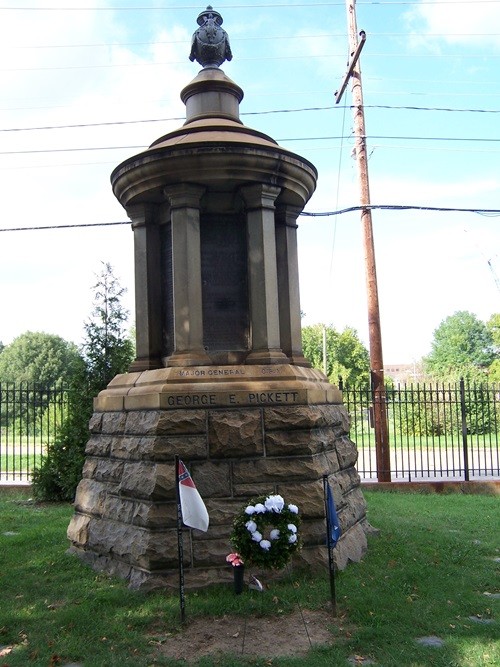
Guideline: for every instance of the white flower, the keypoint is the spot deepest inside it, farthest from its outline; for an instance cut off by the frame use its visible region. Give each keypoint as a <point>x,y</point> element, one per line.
<point>292,538</point>
<point>251,526</point>
<point>259,508</point>
<point>274,503</point>
<point>292,528</point>
<point>250,509</point>
<point>274,534</point>
<point>293,508</point>
<point>256,536</point>
<point>265,544</point>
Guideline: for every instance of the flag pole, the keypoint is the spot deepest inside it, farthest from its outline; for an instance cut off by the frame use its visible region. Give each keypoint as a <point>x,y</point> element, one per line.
<point>180,549</point>
<point>329,542</point>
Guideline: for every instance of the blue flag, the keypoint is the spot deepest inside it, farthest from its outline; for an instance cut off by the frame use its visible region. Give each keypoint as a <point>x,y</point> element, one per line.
<point>331,519</point>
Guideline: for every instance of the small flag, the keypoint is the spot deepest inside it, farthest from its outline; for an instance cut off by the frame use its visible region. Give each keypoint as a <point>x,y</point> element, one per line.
<point>331,519</point>
<point>194,512</point>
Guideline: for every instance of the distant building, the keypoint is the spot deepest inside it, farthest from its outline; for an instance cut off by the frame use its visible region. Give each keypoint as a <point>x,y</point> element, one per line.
<point>403,373</point>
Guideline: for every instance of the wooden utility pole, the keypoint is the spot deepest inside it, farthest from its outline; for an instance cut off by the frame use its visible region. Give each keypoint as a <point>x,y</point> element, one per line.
<point>374,330</point>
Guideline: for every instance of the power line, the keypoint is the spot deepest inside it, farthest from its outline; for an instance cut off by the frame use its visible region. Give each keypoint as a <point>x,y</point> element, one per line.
<point>46,227</point>
<point>257,38</point>
<point>266,57</point>
<point>247,113</point>
<point>323,214</point>
<point>286,5</point>
<point>403,207</point>
<point>285,139</point>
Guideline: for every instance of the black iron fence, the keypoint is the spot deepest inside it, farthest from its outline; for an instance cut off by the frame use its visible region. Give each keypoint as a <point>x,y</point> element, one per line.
<point>29,416</point>
<point>445,432</point>
<point>436,432</point>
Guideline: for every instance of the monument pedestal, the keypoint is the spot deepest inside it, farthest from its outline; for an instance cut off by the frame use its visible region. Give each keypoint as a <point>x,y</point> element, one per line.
<point>220,378</point>
<point>243,431</point>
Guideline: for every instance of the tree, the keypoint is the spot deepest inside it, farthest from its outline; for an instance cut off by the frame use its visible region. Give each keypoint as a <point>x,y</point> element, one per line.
<point>346,356</point>
<point>37,357</point>
<point>462,346</point>
<point>493,326</point>
<point>106,351</point>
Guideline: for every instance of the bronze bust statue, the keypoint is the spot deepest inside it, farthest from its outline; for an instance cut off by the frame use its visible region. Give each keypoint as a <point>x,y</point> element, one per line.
<point>210,43</point>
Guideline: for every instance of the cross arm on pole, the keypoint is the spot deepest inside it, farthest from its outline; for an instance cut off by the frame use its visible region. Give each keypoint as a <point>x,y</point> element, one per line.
<point>352,65</point>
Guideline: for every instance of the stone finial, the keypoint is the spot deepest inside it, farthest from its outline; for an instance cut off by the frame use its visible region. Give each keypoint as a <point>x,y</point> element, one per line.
<point>210,43</point>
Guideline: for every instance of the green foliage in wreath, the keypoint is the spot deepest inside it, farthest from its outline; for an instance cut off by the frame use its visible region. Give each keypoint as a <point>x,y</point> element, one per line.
<point>266,532</point>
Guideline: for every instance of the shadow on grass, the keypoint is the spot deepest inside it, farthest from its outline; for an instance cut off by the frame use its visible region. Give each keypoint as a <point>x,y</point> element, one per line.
<point>425,575</point>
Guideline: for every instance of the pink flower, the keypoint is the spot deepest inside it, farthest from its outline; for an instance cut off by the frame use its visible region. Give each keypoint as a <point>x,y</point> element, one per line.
<point>234,559</point>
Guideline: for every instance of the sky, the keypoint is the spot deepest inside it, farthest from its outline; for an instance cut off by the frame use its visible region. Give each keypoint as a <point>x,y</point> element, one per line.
<point>88,83</point>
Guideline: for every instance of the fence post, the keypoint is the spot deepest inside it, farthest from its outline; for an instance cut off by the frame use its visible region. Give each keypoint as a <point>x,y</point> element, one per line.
<point>464,429</point>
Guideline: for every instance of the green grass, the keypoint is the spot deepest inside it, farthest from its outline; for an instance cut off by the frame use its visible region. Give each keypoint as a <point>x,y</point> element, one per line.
<point>19,463</point>
<point>425,574</point>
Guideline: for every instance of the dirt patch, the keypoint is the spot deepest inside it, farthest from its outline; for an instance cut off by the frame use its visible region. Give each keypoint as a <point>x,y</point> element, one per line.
<point>267,637</point>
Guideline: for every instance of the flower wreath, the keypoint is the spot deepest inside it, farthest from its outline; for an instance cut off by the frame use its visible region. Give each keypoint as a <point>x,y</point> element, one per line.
<point>266,532</point>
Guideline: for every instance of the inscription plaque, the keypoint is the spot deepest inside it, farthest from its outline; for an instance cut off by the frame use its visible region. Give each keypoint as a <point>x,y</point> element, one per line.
<point>224,282</point>
<point>167,290</point>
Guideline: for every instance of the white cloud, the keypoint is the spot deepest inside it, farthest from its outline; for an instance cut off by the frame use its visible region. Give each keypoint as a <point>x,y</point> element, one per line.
<point>461,23</point>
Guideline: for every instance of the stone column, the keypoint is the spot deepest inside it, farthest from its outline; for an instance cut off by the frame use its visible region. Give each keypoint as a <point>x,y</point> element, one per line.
<point>262,275</point>
<point>186,268</point>
<point>147,287</point>
<point>288,284</point>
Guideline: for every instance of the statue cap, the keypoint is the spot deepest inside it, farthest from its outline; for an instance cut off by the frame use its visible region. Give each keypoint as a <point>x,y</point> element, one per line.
<point>202,17</point>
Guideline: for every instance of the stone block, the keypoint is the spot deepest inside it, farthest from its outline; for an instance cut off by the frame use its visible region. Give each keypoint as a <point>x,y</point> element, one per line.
<point>182,422</point>
<point>133,447</point>
<point>212,479</point>
<point>89,467</point>
<point>235,433</point>
<point>314,558</point>
<point>78,529</point>
<point>313,532</point>
<point>208,552</point>
<point>292,443</point>
<point>136,546</point>
<point>353,509</point>
<point>351,547</point>
<point>98,445</point>
<point>304,417</point>
<point>90,497</point>
<point>347,452</point>
<point>308,496</point>
<point>252,490</point>
<point>142,422</point>
<point>107,470</point>
<point>149,481</point>
<point>187,447</point>
<point>343,482</point>
<point>159,447</point>
<point>95,423</point>
<point>113,423</point>
<point>276,470</point>
<point>155,515</point>
<point>118,508</point>
<point>223,511</point>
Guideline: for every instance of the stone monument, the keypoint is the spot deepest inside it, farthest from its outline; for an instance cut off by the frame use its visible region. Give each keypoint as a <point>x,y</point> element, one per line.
<point>219,378</point>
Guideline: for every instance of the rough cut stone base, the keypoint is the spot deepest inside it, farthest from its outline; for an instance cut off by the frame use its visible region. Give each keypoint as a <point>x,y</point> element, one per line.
<point>125,510</point>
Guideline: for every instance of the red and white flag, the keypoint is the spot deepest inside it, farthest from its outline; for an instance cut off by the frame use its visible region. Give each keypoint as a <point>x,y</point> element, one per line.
<point>194,512</point>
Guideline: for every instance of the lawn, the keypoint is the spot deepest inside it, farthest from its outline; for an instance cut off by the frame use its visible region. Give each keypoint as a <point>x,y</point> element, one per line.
<point>432,571</point>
